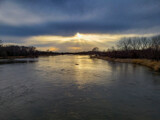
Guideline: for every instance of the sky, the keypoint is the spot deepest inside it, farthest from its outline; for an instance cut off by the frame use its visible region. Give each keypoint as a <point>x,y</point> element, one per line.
<point>76,25</point>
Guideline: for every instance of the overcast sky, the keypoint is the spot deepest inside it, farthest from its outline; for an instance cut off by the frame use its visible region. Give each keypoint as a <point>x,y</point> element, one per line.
<point>54,24</point>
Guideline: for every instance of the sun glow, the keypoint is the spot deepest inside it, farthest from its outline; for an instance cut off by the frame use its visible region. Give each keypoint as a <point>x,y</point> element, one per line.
<point>77,42</point>
<point>79,35</point>
<point>53,49</point>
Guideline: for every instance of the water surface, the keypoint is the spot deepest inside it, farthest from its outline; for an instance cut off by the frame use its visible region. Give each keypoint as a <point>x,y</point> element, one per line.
<point>78,88</point>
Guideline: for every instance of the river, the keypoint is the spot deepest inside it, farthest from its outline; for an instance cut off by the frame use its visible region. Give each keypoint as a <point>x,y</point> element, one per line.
<point>78,88</point>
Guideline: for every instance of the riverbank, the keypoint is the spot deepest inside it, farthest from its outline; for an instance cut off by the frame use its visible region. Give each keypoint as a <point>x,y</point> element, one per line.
<point>155,65</point>
<point>18,57</point>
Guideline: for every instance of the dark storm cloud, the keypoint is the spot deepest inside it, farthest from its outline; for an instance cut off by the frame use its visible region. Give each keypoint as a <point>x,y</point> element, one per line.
<point>67,17</point>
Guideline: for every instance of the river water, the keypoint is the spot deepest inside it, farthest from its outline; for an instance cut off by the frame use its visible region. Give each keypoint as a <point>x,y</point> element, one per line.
<point>78,88</point>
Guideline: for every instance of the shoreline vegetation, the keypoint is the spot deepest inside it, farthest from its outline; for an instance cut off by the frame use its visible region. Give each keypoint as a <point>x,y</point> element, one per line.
<point>137,50</point>
<point>155,65</point>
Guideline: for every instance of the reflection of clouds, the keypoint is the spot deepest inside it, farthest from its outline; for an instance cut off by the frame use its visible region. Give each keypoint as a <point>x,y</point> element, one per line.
<point>64,70</point>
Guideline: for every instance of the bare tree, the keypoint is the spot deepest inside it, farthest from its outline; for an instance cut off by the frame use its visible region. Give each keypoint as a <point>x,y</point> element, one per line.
<point>144,43</point>
<point>133,43</point>
<point>156,42</point>
<point>137,47</point>
<point>1,43</point>
<point>123,44</point>
<point>95,49</point>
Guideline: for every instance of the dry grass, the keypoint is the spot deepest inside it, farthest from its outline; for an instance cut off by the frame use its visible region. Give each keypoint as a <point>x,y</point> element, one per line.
<point>149,63</point>
<point>155,65</point>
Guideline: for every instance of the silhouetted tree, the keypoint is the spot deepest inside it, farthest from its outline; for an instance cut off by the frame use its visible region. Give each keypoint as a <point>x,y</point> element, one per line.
<point>1,43</point>
<point>123,44</point>
<point>95,49</point>
<point>137,47</point>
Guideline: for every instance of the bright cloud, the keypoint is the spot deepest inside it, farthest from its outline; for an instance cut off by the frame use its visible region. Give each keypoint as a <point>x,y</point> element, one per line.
<point>72,25</point>
<point>78,42</point>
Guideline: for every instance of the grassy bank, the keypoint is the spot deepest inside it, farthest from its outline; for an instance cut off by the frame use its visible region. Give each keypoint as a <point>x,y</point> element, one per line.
<point>155,65</point>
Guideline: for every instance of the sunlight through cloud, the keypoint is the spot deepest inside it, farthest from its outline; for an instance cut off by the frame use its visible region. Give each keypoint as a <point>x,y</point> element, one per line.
<point>78,42</point>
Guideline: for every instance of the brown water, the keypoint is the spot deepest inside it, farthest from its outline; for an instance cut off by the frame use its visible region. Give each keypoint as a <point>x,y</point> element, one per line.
<point>78,88</point>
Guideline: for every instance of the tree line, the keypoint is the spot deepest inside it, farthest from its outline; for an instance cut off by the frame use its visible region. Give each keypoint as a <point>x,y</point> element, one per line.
<point>15,50</point>
<point>137,47</point>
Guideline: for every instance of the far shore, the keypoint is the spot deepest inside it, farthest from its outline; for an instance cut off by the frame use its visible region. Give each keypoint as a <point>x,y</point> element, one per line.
<point>155,65</point>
